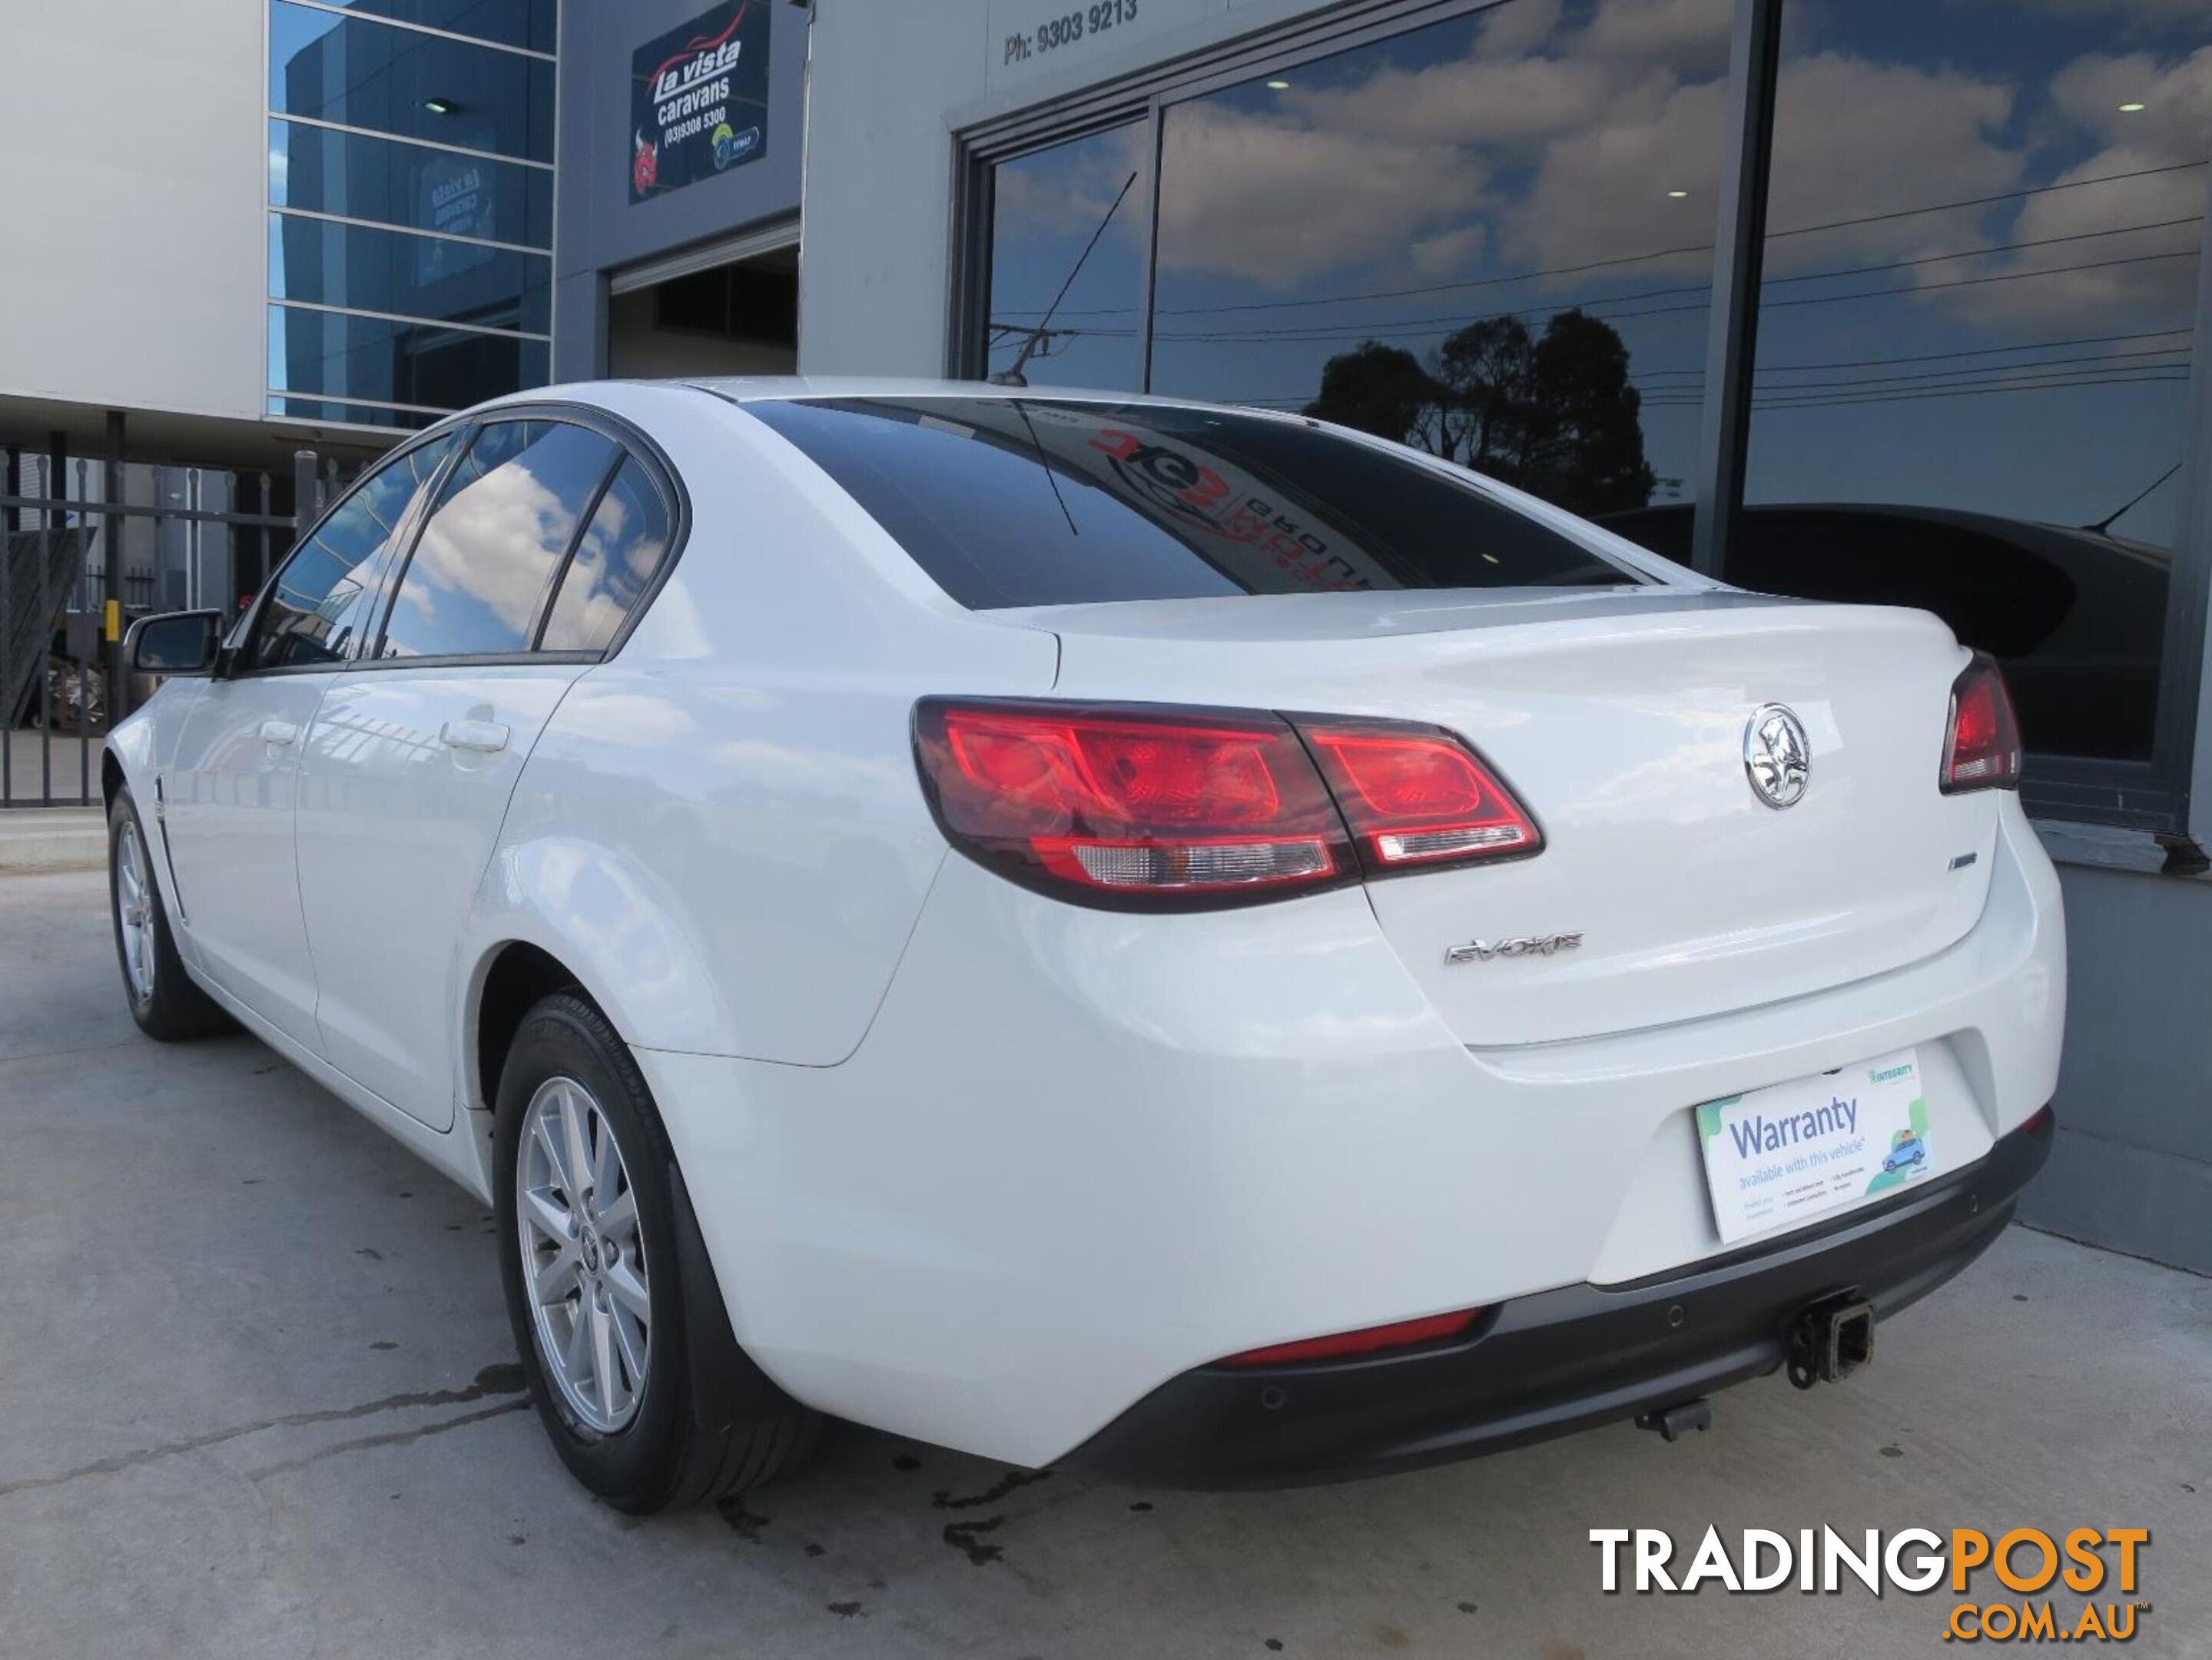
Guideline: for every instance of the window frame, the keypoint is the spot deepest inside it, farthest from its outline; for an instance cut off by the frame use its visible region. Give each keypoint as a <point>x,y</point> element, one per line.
<point>2154,797</point>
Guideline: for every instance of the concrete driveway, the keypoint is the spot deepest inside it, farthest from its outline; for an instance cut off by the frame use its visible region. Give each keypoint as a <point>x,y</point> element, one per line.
<point>259,1398</point>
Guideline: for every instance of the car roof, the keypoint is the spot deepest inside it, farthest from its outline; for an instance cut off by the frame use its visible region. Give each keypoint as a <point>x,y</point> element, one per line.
<point>769,388</point>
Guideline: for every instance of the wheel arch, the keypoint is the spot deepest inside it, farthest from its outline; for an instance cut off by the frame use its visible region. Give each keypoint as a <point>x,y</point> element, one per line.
<point>560,913</point>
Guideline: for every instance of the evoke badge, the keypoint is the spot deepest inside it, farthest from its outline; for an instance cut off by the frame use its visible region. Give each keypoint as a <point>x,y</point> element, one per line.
<point>1525,945</point>
<point>1776,757</point>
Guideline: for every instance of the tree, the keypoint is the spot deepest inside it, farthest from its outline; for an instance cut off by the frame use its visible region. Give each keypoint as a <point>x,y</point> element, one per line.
<point>1552,414</point>
<point>1379,389</point>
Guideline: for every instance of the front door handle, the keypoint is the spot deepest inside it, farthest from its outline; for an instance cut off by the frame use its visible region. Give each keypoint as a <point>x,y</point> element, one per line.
<point>488,737</point>
<point>279,732</point>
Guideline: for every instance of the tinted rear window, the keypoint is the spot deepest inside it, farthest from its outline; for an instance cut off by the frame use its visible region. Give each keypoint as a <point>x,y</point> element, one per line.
<point>1039,501</point>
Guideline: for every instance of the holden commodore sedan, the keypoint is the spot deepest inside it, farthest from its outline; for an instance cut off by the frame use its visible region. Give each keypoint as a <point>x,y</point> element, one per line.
<point>1098,930</point>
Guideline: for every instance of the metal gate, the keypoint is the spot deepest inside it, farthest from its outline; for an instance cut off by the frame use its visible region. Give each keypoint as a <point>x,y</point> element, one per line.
<point>80,561</point>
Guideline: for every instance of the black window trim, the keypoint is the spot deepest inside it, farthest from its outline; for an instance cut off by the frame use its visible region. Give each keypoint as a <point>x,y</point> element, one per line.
<point>2153,796</point>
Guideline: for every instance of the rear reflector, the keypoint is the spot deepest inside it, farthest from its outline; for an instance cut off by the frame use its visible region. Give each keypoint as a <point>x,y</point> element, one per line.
<point>1981,748</point>
<point>1417,795</point>
<point>1372,1340</point>
<point>1149,808</point>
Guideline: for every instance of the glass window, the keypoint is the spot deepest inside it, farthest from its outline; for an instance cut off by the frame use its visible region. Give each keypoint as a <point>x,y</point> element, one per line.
<point>525,23</point>
<point>428,276</point>
<point>1067,225</point>
<point>1038,502</point>
<point>614,563</point>
<point>488,552</point>
<point>1975,334</point>
<point>358,177</point>
<point>429,365</point>
<point>320,598</point>
<point>357,72</point>
<point>1489,237</point>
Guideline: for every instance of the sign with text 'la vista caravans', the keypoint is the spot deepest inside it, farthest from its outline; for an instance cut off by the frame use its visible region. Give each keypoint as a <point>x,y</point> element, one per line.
<point>698,98</point>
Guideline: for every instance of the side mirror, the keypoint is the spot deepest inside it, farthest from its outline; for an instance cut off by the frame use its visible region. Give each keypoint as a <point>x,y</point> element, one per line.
<point>176,642</point>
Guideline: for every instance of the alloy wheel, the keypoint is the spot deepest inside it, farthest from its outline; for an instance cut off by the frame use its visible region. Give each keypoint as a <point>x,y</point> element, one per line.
<point>583,1255</point>
<point>134,911</point>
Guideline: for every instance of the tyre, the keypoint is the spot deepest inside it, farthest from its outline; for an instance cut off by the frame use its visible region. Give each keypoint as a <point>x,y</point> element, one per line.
<point>623,1335</point>
<point>164,1000</point>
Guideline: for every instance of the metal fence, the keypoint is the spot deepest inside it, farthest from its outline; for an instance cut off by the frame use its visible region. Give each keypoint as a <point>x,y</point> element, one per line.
<point>78,565</point>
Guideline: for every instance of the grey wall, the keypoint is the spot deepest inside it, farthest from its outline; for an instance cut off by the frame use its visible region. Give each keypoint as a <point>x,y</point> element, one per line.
<point>134,269</point>
<point>596,228</point>
<point>2133,1165</point>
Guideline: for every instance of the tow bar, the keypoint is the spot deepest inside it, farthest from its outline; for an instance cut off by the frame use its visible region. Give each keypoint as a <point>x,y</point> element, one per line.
<point>1831,1341</point>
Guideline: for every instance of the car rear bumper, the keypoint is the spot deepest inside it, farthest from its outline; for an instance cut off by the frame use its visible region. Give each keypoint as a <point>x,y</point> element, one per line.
<point>1079,1154</point>
<point>1562,1360</point>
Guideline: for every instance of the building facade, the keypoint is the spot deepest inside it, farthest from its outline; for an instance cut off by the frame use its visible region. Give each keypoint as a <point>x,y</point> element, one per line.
<point>1890,303</point>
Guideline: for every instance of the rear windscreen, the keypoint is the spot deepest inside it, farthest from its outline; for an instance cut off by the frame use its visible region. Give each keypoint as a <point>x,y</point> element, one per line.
<point>1044,501</point>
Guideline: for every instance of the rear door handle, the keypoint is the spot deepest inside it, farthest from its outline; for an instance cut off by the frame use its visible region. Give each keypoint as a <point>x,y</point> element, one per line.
<point>279,732</point>
<point>487,736</point>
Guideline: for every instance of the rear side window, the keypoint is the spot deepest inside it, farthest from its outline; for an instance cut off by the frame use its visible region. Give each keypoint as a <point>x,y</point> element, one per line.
<point>621,553</point>
<point>505,516</point>
<point>1045,502</point>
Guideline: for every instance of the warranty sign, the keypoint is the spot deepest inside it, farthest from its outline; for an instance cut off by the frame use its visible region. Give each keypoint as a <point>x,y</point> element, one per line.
<point>1783,1156</point>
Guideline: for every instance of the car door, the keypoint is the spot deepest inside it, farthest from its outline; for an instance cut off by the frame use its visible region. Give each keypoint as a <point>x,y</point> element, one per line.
<point>228,794</point>
<point>416,747</point>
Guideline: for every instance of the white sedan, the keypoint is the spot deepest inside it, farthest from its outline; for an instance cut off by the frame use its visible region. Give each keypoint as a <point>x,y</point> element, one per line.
<point>1088,928</point>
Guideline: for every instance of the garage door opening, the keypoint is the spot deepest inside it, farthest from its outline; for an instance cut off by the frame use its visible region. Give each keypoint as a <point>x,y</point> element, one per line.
<point>741,318</point>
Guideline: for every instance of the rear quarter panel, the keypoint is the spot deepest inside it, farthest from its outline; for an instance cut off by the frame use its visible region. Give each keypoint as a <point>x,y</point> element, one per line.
<point>721,831</point>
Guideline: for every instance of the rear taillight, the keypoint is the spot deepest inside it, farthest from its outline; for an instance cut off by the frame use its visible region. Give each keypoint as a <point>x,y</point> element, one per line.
<point>1417,795</point>
<point>1146,807</point>
<point>1132,807</point>
<point>1370,1340</point>
<point>1981,749</point>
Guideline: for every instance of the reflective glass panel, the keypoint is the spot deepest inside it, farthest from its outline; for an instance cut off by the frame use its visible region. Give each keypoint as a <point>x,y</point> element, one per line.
<point>1489,237</point>
<point>357,177</point>
<point>1067,225</point>
<point>429,277</point>
<point>527,23</point>
<point>1975,336</point>
<point>357,72</point>
<point>488,552</point>
<point>332,354</point>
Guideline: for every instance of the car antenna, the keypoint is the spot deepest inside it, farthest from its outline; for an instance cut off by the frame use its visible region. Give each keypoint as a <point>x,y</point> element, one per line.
<point>1037,336</point>
<point>1037,444</point>
<point>2105,523</point>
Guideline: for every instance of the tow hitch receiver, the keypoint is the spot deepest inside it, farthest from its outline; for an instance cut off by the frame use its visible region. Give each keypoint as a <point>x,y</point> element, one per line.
<point>1831,1341</point>
<point>1672,1423</point>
